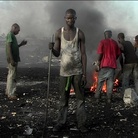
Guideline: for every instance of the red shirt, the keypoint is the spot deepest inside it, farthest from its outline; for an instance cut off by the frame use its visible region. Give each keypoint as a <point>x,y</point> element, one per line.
<point>110,50</point>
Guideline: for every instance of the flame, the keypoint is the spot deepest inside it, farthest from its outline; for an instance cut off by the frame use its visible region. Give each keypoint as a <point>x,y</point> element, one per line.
<point>94,86</point>
<point>116,83</point>
<point>95,83</point>
<point>104,88</point>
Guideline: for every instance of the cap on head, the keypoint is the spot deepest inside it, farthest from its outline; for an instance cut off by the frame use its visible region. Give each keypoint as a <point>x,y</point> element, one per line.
<point>107,30</point>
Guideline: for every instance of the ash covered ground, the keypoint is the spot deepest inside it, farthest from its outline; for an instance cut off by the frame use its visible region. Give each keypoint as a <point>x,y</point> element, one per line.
<point>26,117</point>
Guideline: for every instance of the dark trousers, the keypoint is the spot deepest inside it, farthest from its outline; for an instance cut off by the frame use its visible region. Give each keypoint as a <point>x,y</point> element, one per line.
<point>65,85</point>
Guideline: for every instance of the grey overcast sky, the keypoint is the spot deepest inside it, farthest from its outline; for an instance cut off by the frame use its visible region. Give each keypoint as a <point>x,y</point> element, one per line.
<point>43,18</point>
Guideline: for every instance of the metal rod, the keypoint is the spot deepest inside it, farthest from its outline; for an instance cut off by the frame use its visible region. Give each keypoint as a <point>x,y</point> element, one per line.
<point>48,83</point>
<point>48,86</point>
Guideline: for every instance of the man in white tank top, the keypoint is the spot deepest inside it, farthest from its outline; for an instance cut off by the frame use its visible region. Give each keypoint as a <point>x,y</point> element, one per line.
<point>70,45</point>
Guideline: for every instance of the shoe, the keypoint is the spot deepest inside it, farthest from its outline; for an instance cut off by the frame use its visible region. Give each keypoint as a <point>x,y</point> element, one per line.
<point>12,97</point>
<point>57,128</point>
<point>83,129</point>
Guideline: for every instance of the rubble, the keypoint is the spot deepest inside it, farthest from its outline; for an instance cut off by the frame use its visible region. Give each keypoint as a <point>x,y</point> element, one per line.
<point>27,115</point>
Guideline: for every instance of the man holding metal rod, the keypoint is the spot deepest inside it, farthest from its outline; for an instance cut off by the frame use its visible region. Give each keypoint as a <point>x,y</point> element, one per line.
<point>70,44</point>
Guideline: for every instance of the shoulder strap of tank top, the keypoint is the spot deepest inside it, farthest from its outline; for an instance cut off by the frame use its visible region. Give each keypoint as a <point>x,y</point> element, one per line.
<point>62,29</point>
<point>77,32</point>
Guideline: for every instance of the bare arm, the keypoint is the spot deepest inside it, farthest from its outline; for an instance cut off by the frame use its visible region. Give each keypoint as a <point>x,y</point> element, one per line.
<point>83,51</point>
<point>24,42</point>
<point>121,60</point>
<point>56,48</point>
<point>99,57</point>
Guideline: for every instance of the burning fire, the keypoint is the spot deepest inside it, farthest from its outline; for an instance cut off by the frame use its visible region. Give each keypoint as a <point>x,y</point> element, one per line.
<point>104,88</point>
<point>94,85</point>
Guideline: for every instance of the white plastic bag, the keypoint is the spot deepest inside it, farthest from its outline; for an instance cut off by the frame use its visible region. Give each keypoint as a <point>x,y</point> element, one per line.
<point>130,96</point>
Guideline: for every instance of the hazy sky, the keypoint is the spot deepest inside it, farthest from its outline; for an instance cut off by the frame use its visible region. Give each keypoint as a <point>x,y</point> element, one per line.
<point>42,18</point>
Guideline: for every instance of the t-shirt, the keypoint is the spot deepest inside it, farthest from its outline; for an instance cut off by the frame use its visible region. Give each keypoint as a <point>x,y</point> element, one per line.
<point>136,49</point>
<point>129,53</point>
<point>10,38</point>
<point>70,56</point>
<point>110,51</point>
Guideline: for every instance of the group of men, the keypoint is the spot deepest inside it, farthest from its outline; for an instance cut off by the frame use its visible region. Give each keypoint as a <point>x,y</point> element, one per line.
<point>70,45</point>
<point>108,53</point>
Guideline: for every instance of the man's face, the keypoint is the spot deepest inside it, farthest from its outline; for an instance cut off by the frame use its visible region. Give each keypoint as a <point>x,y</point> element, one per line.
<point>16,29</point>
<point>120,40</point>
<point>70,19</point>
<point>136,40</point>
<point>108,34</point>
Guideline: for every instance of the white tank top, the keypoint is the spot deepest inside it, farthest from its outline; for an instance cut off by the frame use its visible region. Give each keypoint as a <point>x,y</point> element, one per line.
<point>70,56</point>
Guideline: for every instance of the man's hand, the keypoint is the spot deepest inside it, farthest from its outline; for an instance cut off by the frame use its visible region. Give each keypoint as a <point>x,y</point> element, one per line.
<point>51,45</point>
<point>97,65</point>
<point>13,63</point>
<point>24,42</point>
<point>83,81</point>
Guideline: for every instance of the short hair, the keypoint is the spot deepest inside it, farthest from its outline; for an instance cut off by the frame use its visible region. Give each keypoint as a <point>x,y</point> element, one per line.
<point>136,37</point>
<point>72,11</point>
<point>15,25</point>
<point>121,35</point>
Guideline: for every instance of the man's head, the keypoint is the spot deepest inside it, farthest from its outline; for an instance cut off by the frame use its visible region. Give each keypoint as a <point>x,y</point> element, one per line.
<point>121,37</point>
<point>70,17</point>
<point>107,33</point>
<point>136,39</point>
<point>15,28</point>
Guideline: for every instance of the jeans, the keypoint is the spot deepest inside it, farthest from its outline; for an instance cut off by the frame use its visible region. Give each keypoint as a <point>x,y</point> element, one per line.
<point>127,71</point>
<point>65,85</point>
<point>11,80</point>
<point>105,74</point>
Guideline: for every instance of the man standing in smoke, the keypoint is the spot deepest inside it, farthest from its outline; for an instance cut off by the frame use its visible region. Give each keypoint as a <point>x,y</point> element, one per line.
<point>136,45</point>
<point>108,52</point>
<point>130,64</point>
<point>12,52</point>
<point>70,44</point>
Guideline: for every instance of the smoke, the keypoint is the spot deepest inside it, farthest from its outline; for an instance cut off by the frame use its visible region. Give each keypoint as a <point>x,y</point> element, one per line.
<point>90,21</point>
<point>41,19</point>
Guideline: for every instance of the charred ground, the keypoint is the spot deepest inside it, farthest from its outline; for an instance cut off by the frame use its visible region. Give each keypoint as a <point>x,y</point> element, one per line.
<point>104,121</point>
